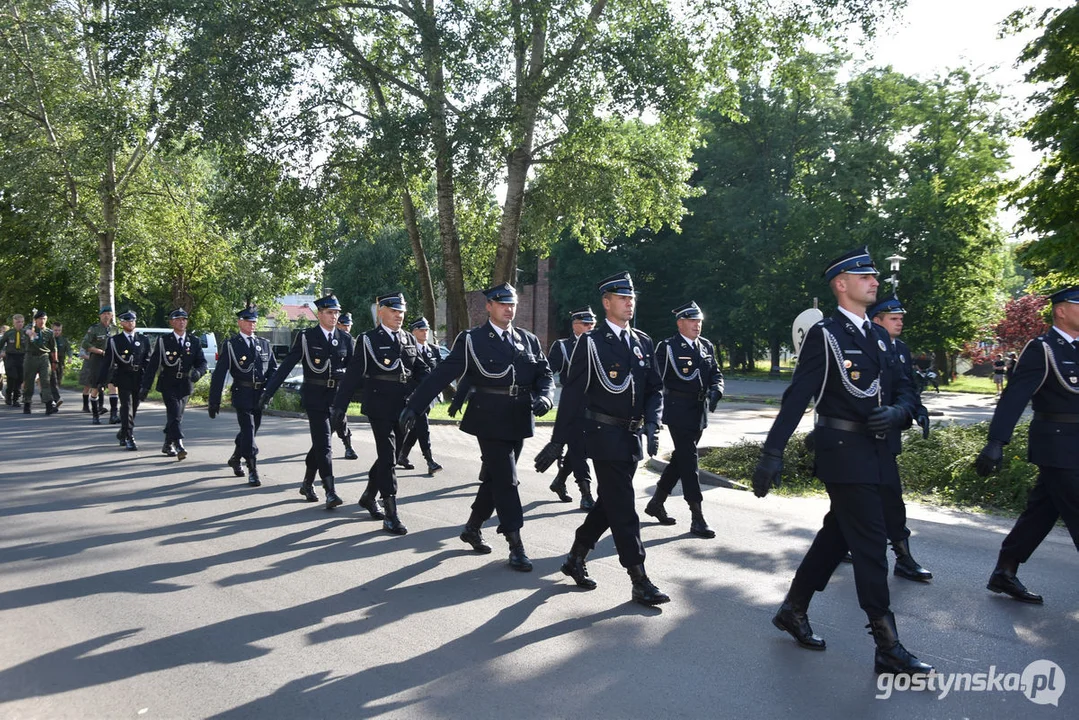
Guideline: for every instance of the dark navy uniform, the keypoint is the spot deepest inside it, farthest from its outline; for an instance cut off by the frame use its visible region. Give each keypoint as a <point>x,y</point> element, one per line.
<point>1046,376</point>
<point>250,361</point>
<point>422,429</point>
<point>862,394</point>
<point>125,362</point>
<point>576,459</point>
<point>692,384</point>
<point>178,363</point>
<point>325,355</point>
<point>344,324</point>
<point>383,368</point>
<point>510,381</point>
<point>613,388</point>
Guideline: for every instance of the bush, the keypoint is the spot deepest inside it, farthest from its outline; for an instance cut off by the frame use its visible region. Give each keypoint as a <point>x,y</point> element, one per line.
<point>938,470</point>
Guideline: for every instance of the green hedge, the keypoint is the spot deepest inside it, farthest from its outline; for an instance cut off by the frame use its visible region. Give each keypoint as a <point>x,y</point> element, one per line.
<point>938,470</point>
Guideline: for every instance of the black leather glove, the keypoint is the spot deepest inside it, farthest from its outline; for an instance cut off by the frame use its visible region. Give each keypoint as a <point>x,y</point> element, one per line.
<point>337,419</point>
<point>194,375</point>
<point>922,419</point>
<point>264,401</point>
<point>143,395</point>
<point>886,418</point>
<point>989,459</point>
<point>550,453</point>
<point>214,410</point>
<point>810,442</point>
<point>540,406</point>
<point>651,434</point>
<point>456,403</point>
<point>766,476</point>
<point>714,396</point>
<point>407,420</point>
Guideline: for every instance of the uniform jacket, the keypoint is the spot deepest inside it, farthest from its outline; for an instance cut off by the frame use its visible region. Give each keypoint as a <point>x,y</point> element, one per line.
<point>560,355</point>
<point>384,372</point>
<point>1047,376</point>
<point>125,361</point>
<point>250,368</point>
<point>481,359</point>
<point>97,336</point>
<point>608,376</point>
<point>688,375</point>
<point>324,366</point>
<point>841,368</point>
<point>14,342</point>
<point>63,349</point>
<point>40,342</point>
<point>179,365</point>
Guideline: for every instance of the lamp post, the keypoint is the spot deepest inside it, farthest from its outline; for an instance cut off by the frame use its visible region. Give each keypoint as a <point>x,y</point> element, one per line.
<point>893,263</point>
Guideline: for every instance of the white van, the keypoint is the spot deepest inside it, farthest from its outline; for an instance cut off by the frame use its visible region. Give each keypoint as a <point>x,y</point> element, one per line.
<point>207,340</point>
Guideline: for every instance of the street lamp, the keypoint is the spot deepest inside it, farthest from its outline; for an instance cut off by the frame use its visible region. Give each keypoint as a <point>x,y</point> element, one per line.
<point>893,264</point>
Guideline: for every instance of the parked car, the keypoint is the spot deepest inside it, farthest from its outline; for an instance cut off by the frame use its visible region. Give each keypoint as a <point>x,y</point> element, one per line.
<point>208,341</point>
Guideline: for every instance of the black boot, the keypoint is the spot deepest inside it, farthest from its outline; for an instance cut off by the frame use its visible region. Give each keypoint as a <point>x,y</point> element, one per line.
<point>392,524</point>
<point>518,559</point>
<point>26,408</point>
<point>891,657</point>
<point>350,454</point>
<point>167,448</point>
<point>369,502</point>
<point>97,414</point>
<point>234,463</point>
<point>699,526</point>
<point>253,473</point>
<point>307,489</point>
<point>474,537</point>
<point>644,592</point>
<point>404,463</point>
<point>51,408</point>
<point>587,501</point>
<point>332,500</point>
<point>86,403</point>
<point>905,564</point>
<point>792,618</point>
<point>574,566</point>
<point>114,414</point>
<point>432,466</point>
<point>1003,580</point>
<point>121,437</point>
<point>129,443</point>
<point>181,451</point>
<point>558,485</point>
<point>655,508</point>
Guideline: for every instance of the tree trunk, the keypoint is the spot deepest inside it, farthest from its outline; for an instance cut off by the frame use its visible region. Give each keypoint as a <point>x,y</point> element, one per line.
<point>944,369</point>
<point>775,351</point>
<point>106,237</point>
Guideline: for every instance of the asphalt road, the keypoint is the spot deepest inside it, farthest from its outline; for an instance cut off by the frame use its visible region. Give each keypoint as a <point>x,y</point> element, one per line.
<point>133,585</point>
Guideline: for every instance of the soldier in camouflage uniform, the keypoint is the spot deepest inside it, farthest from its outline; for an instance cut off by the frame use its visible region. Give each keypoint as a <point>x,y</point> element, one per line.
<point>40,356</point>
<point>93,347</point>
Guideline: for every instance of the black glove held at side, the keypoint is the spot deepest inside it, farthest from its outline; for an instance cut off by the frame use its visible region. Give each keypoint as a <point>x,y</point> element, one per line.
<point>886,418</point>
<point>214,410</point>
<point>714,396</point>
<point>766,476</point>
<point>540,406</point>
<point>651,433</point>
<point>550,453</point>
<point>989,459</point>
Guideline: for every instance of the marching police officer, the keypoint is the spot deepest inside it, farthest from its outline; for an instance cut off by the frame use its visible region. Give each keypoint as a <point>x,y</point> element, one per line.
<point>691,378</point>
<point>576,461</point>
<point>511,385</point>
<point>863,395</point>
<point>93,347</point>
<point>326,352</point>
<point>13,352</point>
<point>888,313</point>
<point>384,366</point>
<point>1047,376</point>
<point>344,324</point>
<point>421,431</point>
<point>250,361</point>
<point>613,384</point>
<point>179,359</point>
<point>63,354</point>
<point>125,362</point>
<point>38,361</point>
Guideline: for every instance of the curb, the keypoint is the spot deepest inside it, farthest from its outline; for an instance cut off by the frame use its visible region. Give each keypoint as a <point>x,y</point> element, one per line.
<point>707,478</point>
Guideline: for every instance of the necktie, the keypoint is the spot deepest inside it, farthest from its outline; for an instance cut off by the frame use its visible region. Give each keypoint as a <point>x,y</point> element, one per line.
<point>507,338</point>
<point>130,339</point>
<point>622,336</point>
<point>865,328</point>
<point>251,343</point>
<point>329,338</point>
<point>397,338</point>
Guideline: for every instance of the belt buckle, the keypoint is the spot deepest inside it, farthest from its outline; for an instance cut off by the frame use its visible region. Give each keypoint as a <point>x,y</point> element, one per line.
<point>257,384</point>
<point>331,383</point>
<point>180,375</point>
<point>513,390</point>
<point>701,396</point>
<point>635,424</point>
<point>402,378</point>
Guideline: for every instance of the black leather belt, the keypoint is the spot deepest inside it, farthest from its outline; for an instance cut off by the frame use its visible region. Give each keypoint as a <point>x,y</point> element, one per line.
<point>331,383</point>
<point>632,425</point>
<point>698,396</point>
<point>511,390</point>
<point>256,385</point>
<point>395,378</point>
<point>844,425</point>
<point>1070,418</point>
<point>181,375</point>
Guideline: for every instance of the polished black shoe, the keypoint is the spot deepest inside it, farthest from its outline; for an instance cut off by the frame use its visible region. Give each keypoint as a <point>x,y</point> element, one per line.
<point>656,510</point>
<point>350,454</point>
<point>644,592</point>
<point>168,448</point>
<point>848,558</point>
<point>905,564</point>
<point>96,420</point>
<point>474,537</point>
<point>370,504</point>
<point>181,451</point>
<point>1005,581</point>
<point>121,439</point>
<point>253,474</point>
<point>26,408</point>
<point>699,526</point>
<point>587,501</point>
<point>114,419</point>
<point>234,463</point>
<point>332,499</point>
<point>891,657</point>
<point>405,464</point>
<point>130,444</point>
<point>518,559</point>
<point>574,567</point>
<point>793,620</point>
<point>558,487</point>
<point>432,467</point>
<point>308,491</point>
<point>392,523</point>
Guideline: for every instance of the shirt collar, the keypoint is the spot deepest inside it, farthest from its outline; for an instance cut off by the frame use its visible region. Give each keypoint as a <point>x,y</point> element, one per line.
<point>179,338</point>
<point>1065,335</point>
<point>858,321</point>
<point>617,330</point>
<point>499,331</point>
<point>688,341</point>
<point>387,330</point>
